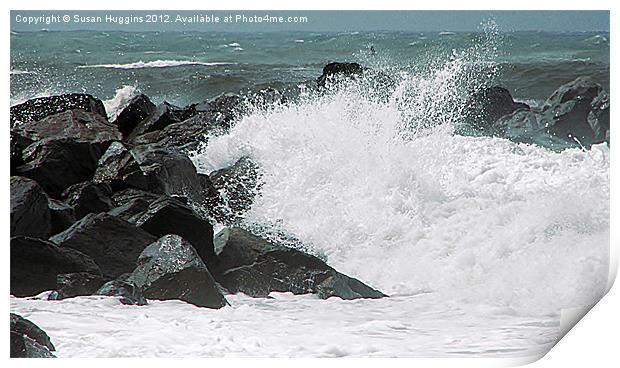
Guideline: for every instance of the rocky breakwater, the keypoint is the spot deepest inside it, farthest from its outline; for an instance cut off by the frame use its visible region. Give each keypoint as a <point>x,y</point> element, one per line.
<point>576,115</point>
<point>117,208</point>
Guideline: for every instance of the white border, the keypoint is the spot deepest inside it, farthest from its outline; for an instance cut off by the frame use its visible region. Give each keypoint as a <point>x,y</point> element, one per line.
<point>592,342</point>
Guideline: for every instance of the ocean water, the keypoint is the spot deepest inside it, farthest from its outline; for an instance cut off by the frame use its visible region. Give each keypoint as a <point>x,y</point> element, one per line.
<point>480,242</point>
<point>188,67</point>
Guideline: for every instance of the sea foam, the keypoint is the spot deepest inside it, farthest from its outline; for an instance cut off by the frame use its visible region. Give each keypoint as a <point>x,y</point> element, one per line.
<point>384,189</point>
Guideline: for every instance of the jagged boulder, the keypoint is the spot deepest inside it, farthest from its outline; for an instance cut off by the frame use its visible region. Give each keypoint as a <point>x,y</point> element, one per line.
<point>336,70</point>
<point>193,128</point>
<point>568,108</point>
<point>81,125</point>
<point>256,267</point>
<point>28,340</point>
<point>487,105</point>
<point>131,202</point>
<point>529,126</point>
<point>88,197</point>
<point>30,214</point>
<point>569,118</point>
<point>167,215</point>
<point>149,168</point>
<point>114,244</point>
<point>170,268</point>
<point>183,136</point>
<point>58,164</point>
<point>23,346</point>
<point>225,108</point>
<point>70,285</point>
<point>598,118</point>
<point>139,108</point>
<point>65,148</point>
<point>36,263</point>
<point>232,190</point>
<point>160,117</point>
<point>18,144</point>
<point>61,215</point>
<point>40,108</point>
<point>122,287</point>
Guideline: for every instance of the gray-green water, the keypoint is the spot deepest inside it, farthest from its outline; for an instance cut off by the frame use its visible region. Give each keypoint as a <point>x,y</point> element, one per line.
<point>185,67</point>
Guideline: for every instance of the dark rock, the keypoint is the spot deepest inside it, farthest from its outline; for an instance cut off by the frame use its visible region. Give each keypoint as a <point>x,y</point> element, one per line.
<point>185,135</point>
<point>256,267</point>
<point>235,189</point>
<point>199,121</point>
<point>160,117</point>
<point>138,109</point>
<point>40,108</point>
<point>581,90</point>
<point>18,346</point>
<point>171,216</point>
<point>598,118</point>
<point>57,164</point>
<point>24,347</point>
<point>77,124</point>
<point>18,144</point>
<point>70,285</point>
<point>225,107</point>
<point>22,326</point>
<point>119,168</point>
<point>131,202</point>
<point>149,168</point>
<point>335,70</point>
<point>61,214</point>
<point>528,126</point>
<point>30,214</point>
<point>35,264</point>
<point>568,108</point>
<point>171,268</point>
<point>89,197</point>
<point>568,119</point>
<point>66,148</point>
<point>114,244</point>
<point>129,293</point>
<point>126,195</point>
<point>486,106</point>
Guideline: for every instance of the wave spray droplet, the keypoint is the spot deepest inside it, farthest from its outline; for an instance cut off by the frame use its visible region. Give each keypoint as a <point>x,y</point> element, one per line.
<point>374,179</point>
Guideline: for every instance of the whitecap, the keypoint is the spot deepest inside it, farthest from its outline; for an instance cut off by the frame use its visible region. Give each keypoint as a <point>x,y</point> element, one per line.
<point>21,72</point>
<point>155,64</point>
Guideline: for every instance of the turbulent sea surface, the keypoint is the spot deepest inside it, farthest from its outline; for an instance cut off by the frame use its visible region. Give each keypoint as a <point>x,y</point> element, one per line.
<point>479,241</point>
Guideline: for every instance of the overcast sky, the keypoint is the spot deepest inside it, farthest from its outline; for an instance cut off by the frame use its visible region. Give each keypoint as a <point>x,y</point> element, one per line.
<point>555,21</point>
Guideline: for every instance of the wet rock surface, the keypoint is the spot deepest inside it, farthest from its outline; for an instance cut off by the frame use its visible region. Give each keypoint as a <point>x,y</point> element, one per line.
<point>30,214</point>
<point>149,168</point>
<point>28,340</point>
<point>170,268</point>
<point>40,108</point>
<point>114,244</point>
<point>70,285</point>
<point>126,290</point>
<point>256,267</point>
<point>36,264</point>
<point>138,108</point>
